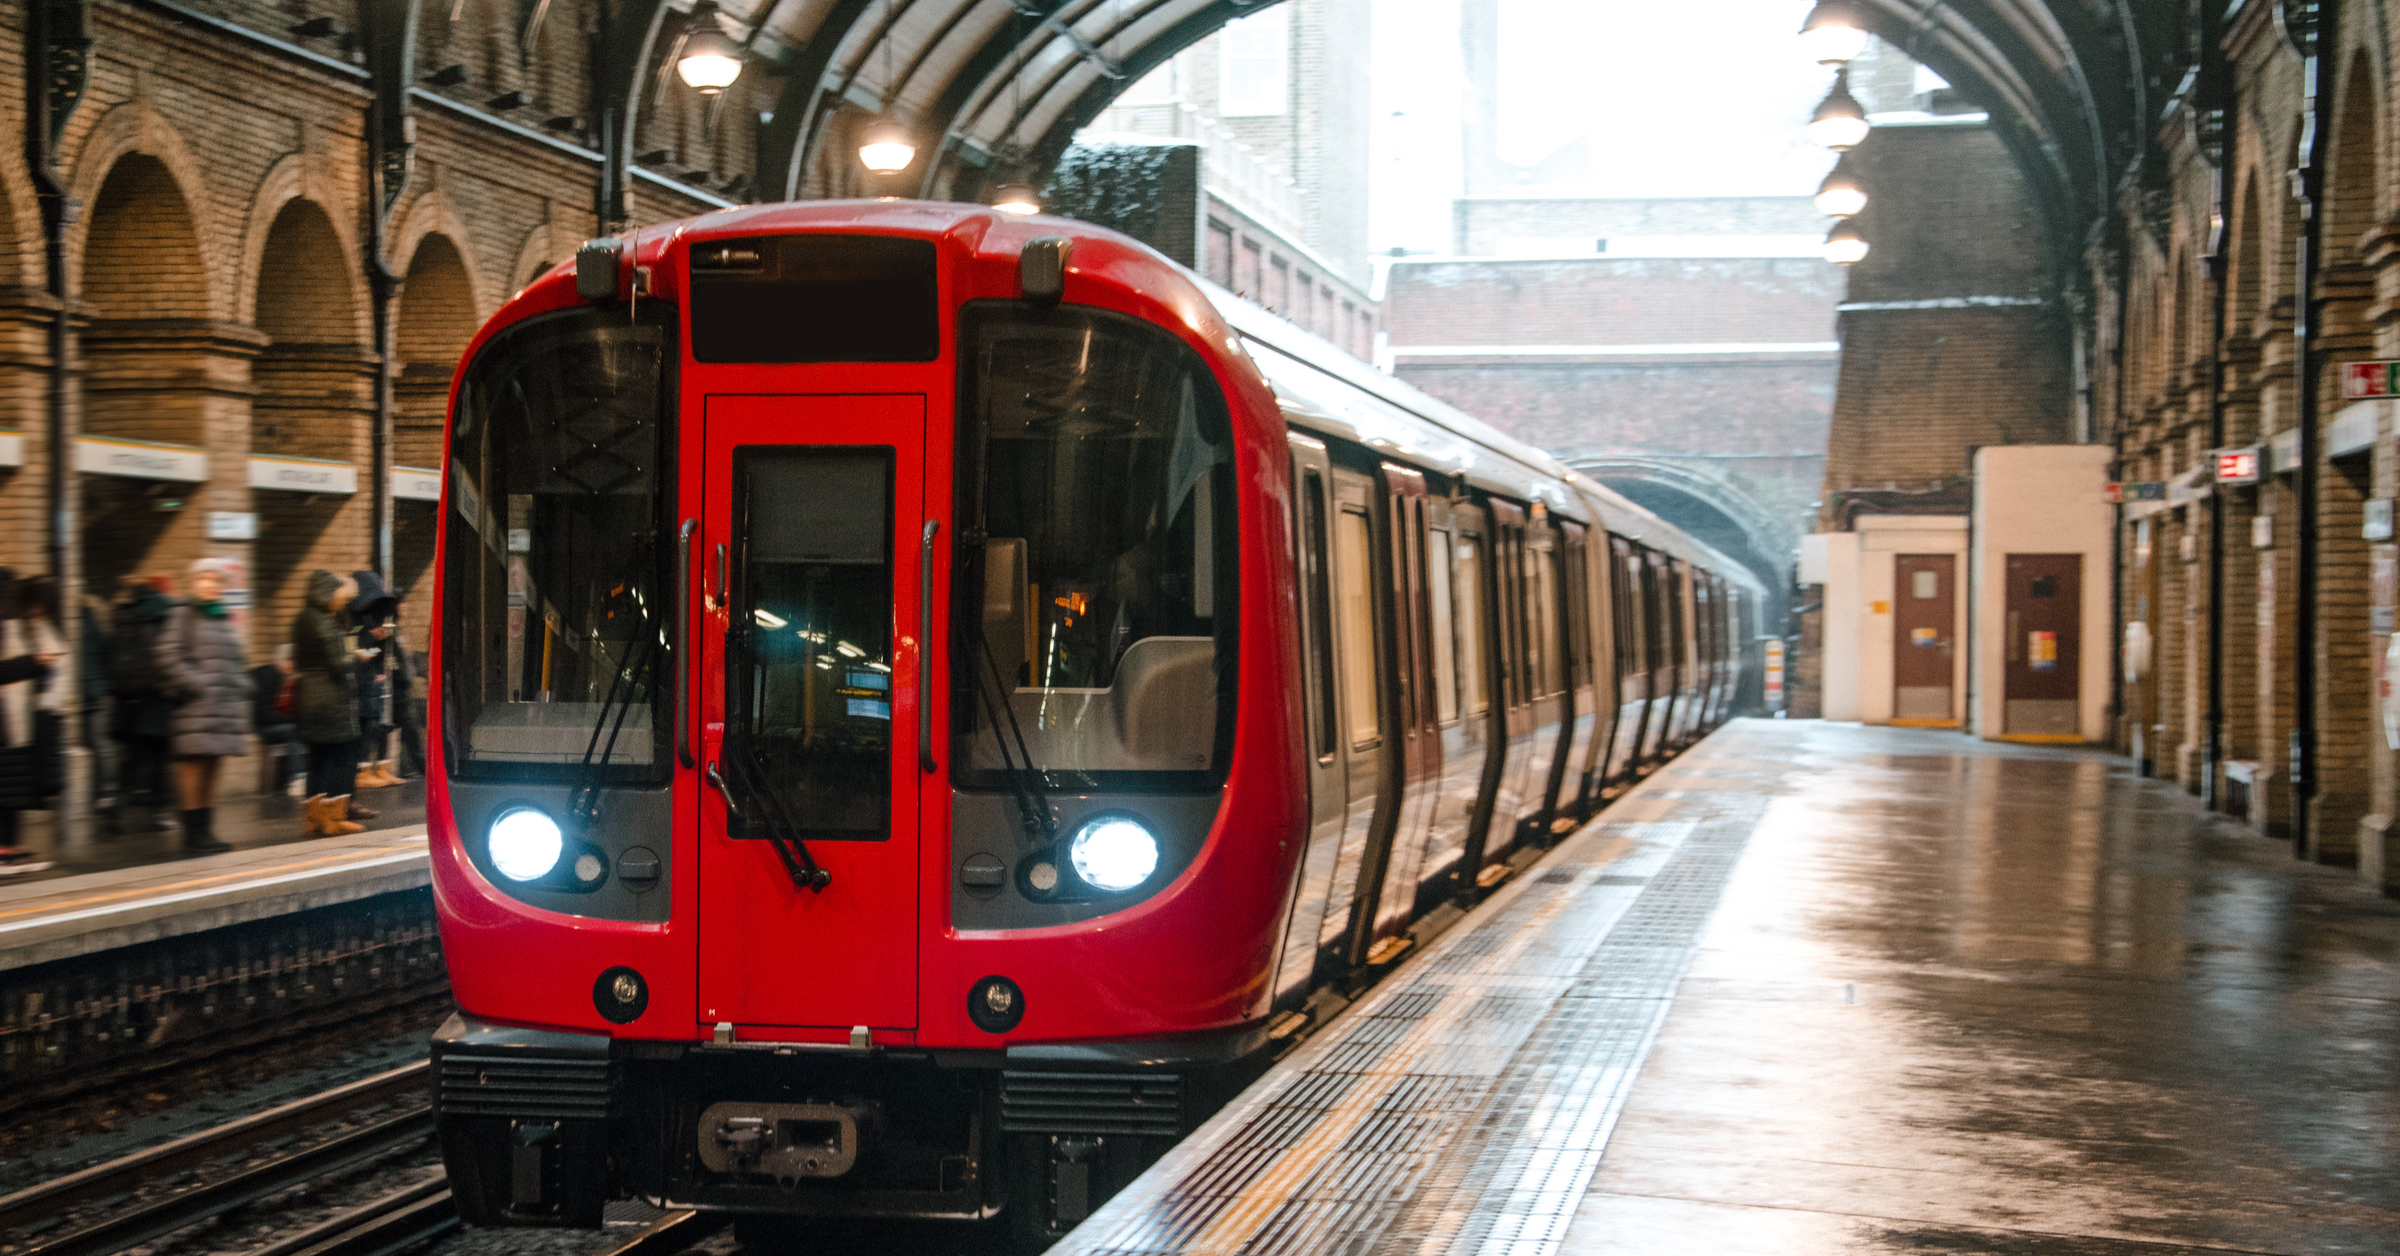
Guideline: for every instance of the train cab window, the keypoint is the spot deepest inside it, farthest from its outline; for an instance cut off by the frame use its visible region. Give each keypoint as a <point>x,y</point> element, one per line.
<point>1313,560</point>
<point>1357,565</point>
<point>556,611</point>
<point>1445,644</point>
<point>1096,524</point>
<point>808,659</point>
<point>1470,625</point>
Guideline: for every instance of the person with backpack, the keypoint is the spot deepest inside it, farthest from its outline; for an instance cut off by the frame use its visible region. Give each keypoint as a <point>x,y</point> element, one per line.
<point>141,716</point>
<point>200,653</point>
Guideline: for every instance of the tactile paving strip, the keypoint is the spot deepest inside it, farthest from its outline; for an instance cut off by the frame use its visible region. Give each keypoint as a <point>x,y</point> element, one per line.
<point>1463,1107</point>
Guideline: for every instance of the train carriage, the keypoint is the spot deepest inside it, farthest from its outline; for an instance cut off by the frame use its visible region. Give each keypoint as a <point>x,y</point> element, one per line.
<point>932,701</point>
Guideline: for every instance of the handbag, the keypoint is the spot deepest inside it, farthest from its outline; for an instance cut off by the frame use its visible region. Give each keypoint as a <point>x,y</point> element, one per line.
<point>287,697</point>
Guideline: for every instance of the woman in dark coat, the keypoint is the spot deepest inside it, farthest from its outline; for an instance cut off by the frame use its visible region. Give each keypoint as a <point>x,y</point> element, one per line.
<point>200,653</point>
<point>141,718</point>
<point>27,654</point>
<point>327,718</point>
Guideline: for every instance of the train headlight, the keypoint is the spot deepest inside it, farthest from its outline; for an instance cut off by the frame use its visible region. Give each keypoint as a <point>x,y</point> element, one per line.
<point>525,844</point>
<point>1113,853</point>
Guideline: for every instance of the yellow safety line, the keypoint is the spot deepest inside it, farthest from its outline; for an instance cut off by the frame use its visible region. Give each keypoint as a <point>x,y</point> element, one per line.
<point>243,875</point>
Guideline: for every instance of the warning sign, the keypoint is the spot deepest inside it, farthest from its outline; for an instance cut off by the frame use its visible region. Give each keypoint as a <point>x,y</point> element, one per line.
<point>2041,650</point>
<point>1922,637</point>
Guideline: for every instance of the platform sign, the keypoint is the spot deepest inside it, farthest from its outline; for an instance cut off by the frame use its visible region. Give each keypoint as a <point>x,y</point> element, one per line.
<point>2237,466</point>
<point>2366,381</point>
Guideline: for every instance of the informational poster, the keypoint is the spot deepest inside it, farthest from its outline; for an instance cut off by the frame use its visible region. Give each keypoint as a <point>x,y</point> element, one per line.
<point>2041,650</point>
<point>1774,675</point>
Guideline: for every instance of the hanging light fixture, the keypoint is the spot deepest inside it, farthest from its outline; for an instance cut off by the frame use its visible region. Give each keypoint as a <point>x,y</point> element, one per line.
<point>710,60</point>
<point>1833,33</point>
<point>1016,198</point>
<point>1844,245</point>
<point>1840,196</point>
<point>884,146</point>
<point>1840,122</point>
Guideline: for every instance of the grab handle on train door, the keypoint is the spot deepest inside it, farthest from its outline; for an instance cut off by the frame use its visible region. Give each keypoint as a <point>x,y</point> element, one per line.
<point>683,641</point>
<point>924,648</point>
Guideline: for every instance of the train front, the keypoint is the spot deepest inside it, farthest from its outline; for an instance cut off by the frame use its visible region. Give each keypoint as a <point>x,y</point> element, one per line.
<point>846,803</point>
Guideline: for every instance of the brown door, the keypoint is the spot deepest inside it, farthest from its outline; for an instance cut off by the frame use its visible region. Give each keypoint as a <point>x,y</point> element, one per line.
<point>2044,645</point>
<point>1924,634</point>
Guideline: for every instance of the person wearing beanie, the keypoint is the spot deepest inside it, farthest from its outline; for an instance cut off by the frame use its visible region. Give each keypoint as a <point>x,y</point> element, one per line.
<point>327,706</point>
<point>200,654</point>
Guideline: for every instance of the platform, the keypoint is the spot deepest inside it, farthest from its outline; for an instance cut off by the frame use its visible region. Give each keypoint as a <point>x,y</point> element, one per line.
<point>1830,989</point>
<point>63,917</point>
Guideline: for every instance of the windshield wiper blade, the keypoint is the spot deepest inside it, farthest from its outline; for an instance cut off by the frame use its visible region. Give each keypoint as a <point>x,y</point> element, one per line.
<point>779,828</point>
<point>583,800</point>
<point>1033,802</point>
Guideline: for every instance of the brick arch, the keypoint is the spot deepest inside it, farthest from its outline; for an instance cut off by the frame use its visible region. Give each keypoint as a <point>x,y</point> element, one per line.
<point>305,290</point>
<point>2354,190</point>
<point>305,178</point>
<point>2248,270</point>
<point>1772,544</point>
<point>430,214</point>
<point>169,176</point>
<point>141,255</point>
<point>541,251</point>
<point>438,312</point>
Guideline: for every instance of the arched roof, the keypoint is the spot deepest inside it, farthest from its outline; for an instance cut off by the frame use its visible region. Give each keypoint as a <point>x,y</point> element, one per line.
<point>2070,83</point>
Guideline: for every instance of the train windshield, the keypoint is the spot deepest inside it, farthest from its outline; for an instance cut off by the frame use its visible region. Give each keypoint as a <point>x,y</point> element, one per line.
<point>1097,555</point>
<point>557,602</point>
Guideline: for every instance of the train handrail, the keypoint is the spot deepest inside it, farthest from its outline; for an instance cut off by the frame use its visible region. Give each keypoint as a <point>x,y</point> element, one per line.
<point>924,645</point>
<point>683,643</point>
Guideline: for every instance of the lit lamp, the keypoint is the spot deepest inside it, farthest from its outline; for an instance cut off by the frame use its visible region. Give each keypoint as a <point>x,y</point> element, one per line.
<point>1840,196</point>
<point>884,147</point>
<point>1833,34</point>
<point>1840,122</point>
<point>1016,198</point>
<point>710,61</point>
<point>1844,245</point>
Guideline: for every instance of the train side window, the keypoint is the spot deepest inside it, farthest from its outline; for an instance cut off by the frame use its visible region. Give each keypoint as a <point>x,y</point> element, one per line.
<point>1541,637</point>
<point>1470,625</point>
<point>1445,658</point>
<point>1320,607</point>
<point>1358,628</point>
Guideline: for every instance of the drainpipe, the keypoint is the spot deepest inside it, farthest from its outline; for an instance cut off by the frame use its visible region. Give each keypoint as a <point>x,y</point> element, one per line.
<point>58,45</point>
<point>2215,135</point>
<point>2309,180</point>
<point>391,39</point>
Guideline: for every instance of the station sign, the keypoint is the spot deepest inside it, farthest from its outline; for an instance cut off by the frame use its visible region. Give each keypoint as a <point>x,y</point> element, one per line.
<point>2238,466</point>
<point>2136,491</point>
<point>2368,381</point>
<point>417,484</point>
<point>140,459</point>
<point>303,475</point>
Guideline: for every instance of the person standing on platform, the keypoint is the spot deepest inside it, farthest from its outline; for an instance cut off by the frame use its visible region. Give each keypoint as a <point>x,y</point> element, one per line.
<point>200,653</point>
<point>140,718</point>
<point>376,610</point>
<point>274,705</point>
<point>37,606</point>
<point>28,653</point>
<point>328,706</point>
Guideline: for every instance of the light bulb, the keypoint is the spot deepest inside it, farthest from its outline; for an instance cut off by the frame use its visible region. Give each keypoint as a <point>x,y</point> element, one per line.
<point>885,148</point>
<point>1832,35</point>
<point>1844,245</point>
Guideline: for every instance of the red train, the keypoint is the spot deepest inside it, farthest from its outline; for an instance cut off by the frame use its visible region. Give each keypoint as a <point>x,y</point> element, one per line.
<point>930,701</point>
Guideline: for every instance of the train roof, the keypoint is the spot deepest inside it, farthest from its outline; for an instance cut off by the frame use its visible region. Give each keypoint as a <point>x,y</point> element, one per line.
<point>1327,390</point>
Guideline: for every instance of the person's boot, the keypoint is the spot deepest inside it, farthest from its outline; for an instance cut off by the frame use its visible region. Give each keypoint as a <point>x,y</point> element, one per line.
<point>357,811</point>
<point>336,811</point>
<point>196,837</point>
<point>312,816</point>
<point>383,768</point>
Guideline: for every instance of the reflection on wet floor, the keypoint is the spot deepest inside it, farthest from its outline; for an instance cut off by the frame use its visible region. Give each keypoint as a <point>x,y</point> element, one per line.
<point>1962,997</point>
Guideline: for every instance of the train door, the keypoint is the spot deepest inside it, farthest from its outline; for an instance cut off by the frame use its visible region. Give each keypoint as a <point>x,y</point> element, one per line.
<point>1511,645</point>
<point>812,544</point>
<point>1658,595</point>
<point>1328,746</point>
<point>1369,716</point>
<point>1388,877</point>
<point>1461,704</point>
<point>1575,593</point>
<point>2043,673</point>
<point>1628,648</point>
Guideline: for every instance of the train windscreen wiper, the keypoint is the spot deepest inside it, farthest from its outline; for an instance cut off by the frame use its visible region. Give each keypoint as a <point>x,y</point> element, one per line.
<point>1024,779</point>
<point>625,686</point>
<point>776,823</point>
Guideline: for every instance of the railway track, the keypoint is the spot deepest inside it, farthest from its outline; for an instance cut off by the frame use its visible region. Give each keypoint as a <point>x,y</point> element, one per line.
<point>54,1205</point>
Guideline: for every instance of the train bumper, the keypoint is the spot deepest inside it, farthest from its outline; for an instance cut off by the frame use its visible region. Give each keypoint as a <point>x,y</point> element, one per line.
<point>541,1127</point>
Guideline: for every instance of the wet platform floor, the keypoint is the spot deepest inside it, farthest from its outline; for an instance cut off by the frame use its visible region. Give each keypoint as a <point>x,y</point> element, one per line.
<point>1829,989</point>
